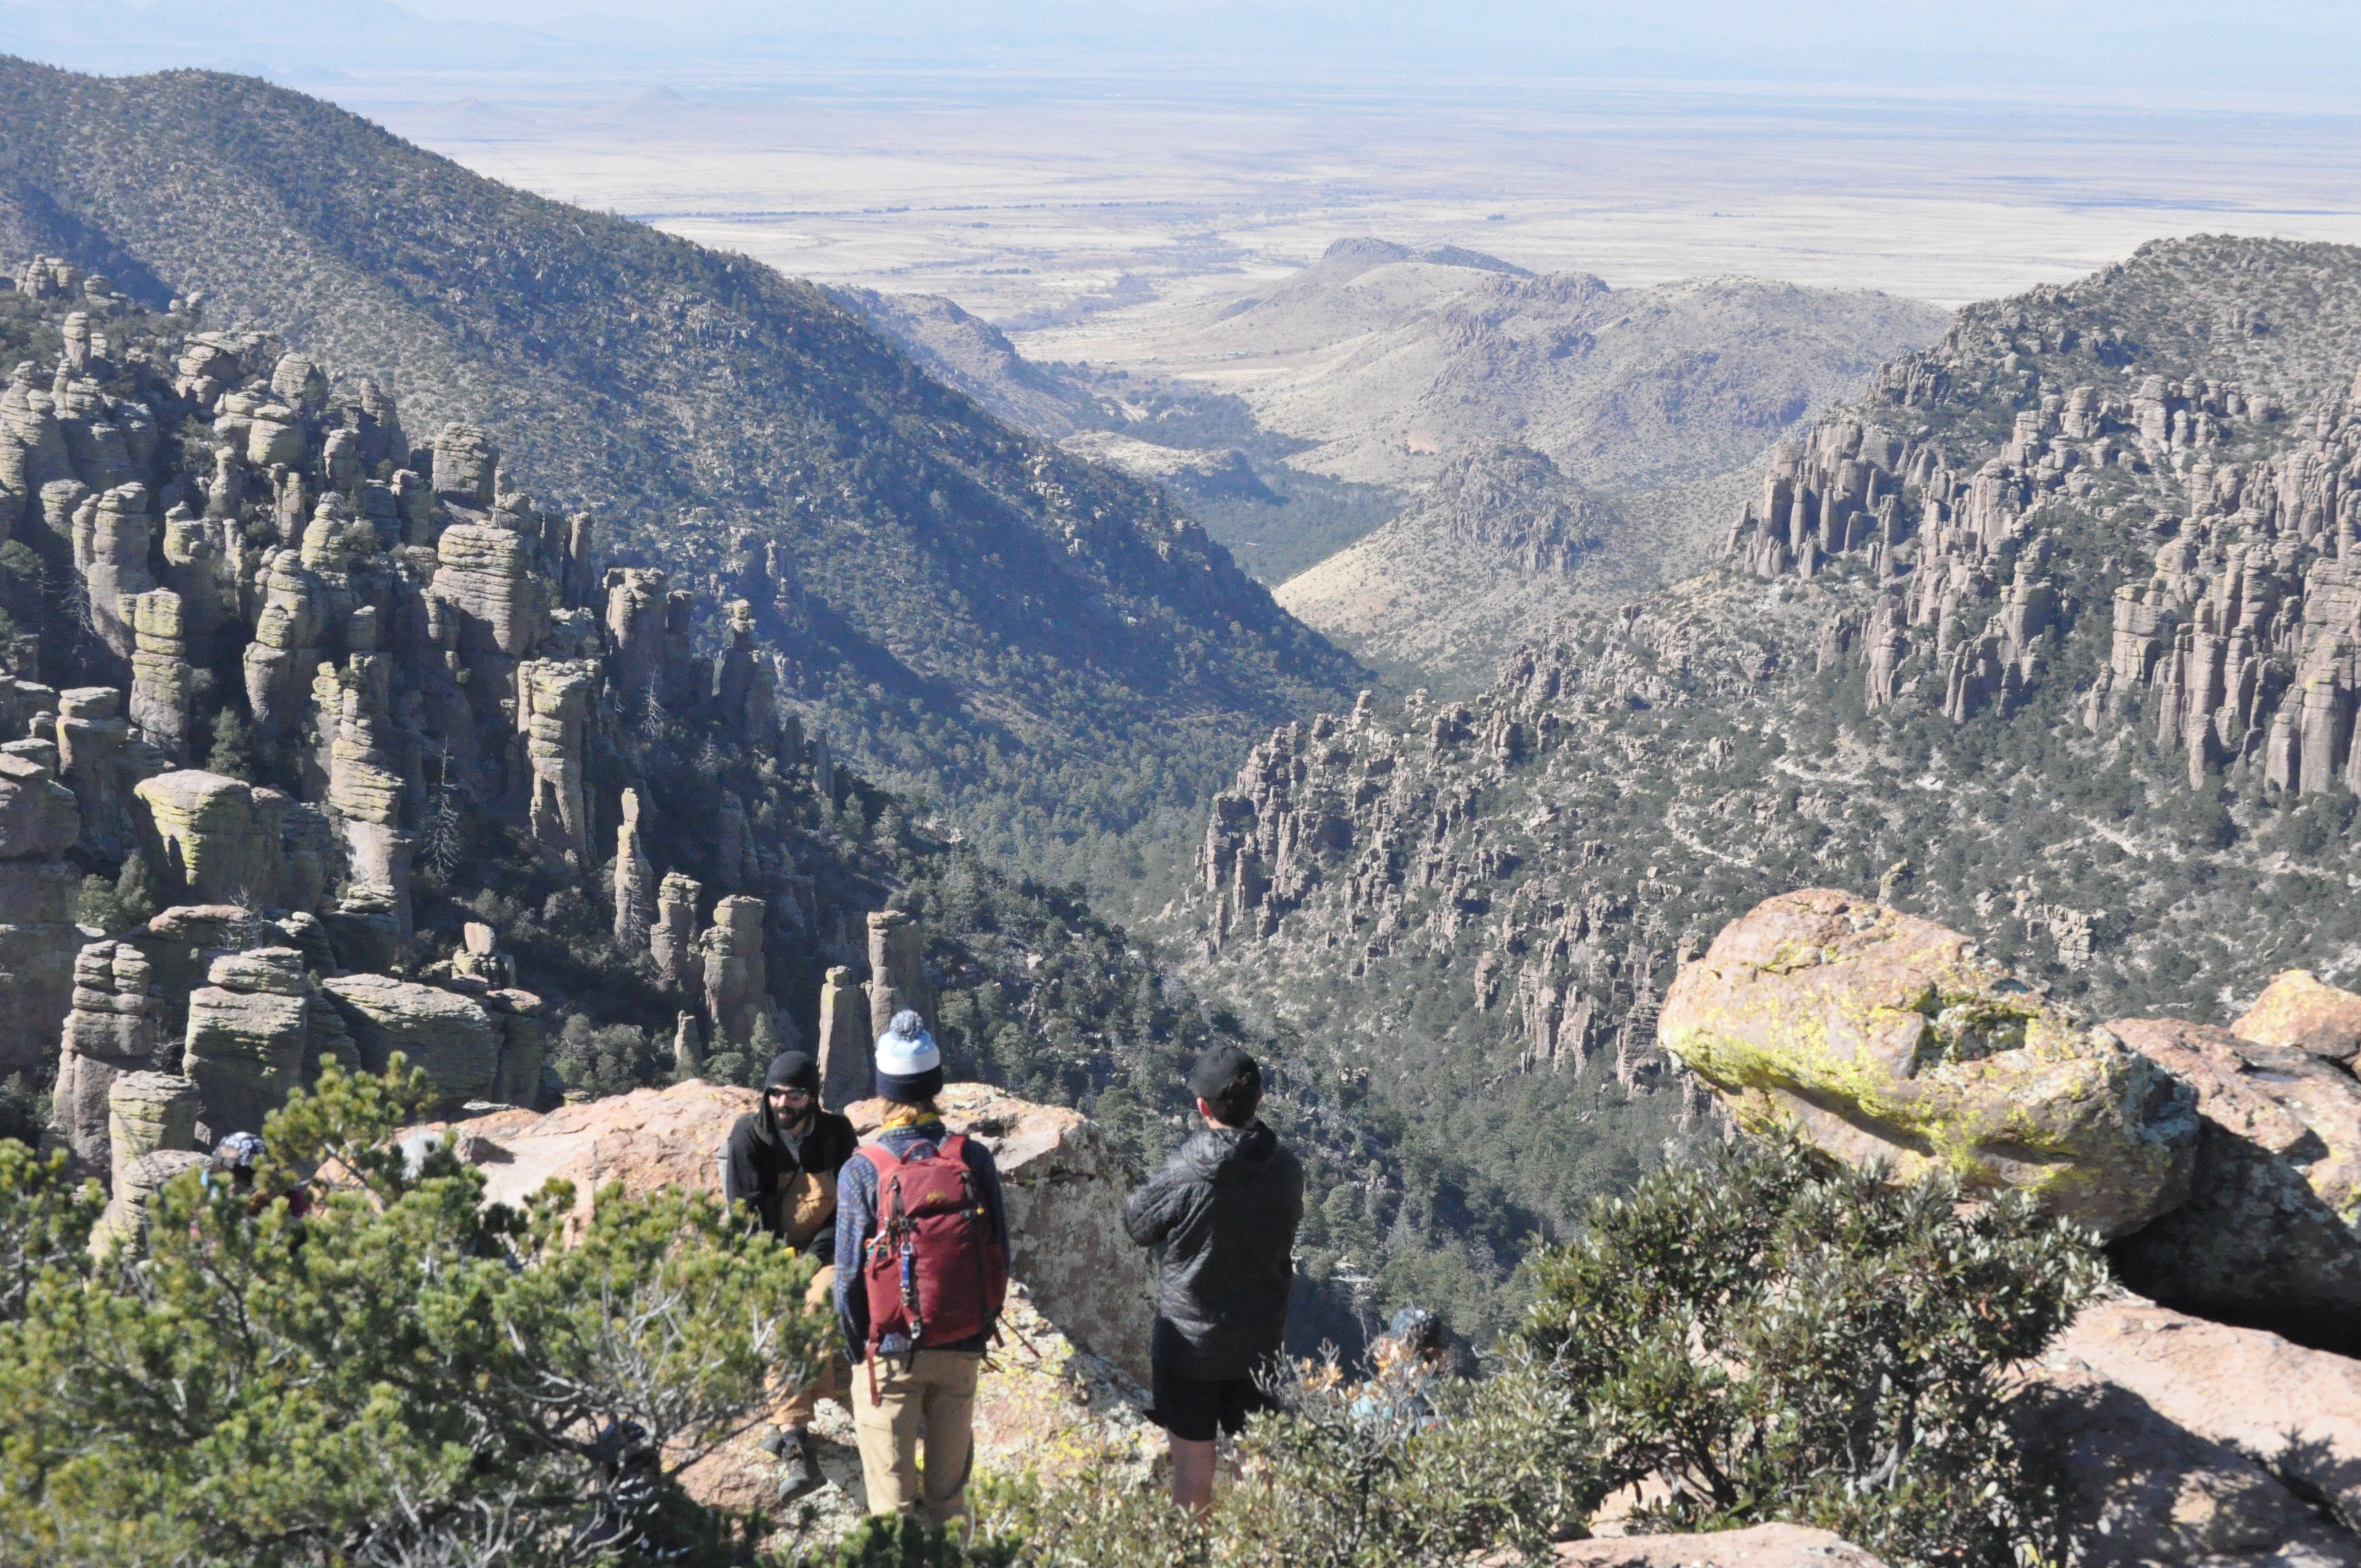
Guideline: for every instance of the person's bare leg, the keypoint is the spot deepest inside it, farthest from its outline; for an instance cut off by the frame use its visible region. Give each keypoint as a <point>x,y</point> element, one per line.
<point>1193,1474</point>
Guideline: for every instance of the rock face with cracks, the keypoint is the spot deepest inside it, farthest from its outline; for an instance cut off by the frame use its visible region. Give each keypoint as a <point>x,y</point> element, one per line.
<point>2296,1009</point>
<point>109,1034</point>
<point>448,1036</point>
<point>2269,1231</point>
<point>1884,1038</point>
<point>2178,1440</point>
<point>38,822</point>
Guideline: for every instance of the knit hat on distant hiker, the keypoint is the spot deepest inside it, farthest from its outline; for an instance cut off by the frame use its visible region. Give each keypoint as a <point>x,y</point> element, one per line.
<point>909,1068</point>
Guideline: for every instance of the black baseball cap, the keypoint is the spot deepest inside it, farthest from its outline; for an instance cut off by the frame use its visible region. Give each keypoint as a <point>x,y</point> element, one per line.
<point>1223,1072</point>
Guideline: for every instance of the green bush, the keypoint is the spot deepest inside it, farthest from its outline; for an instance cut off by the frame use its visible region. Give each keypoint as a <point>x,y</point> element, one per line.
<point>1338,1478</point>
<point>1773,1338</point>
<point>1765,1337</point>
<point>403,1376</point>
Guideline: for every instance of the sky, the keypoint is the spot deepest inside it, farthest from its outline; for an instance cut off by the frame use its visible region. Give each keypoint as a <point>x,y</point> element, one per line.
<point>2176,53</point>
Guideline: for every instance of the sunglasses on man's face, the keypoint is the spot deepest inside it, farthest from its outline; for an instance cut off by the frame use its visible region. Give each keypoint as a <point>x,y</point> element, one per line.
<point>790,1093</point>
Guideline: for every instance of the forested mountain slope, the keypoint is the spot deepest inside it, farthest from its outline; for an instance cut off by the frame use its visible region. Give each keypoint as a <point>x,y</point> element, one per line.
<point>2050,638</point>
<point>1045,646</point>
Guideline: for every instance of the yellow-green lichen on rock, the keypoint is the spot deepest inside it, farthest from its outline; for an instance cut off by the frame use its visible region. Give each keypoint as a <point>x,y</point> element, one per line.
<point>1882,1037</point>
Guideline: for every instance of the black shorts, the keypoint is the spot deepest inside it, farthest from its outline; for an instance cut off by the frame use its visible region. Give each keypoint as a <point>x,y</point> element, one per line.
<point>1191,1408</point>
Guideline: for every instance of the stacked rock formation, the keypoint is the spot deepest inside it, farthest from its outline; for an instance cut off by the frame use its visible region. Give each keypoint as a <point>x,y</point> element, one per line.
<point>897,969</point>
<point>635,880</point>
<point>110,1032</point>
<point>735,983</point>
<point>846,1062</point>
<point>38,822</point>
<point>452,1038</point>
<point>252,1027</point>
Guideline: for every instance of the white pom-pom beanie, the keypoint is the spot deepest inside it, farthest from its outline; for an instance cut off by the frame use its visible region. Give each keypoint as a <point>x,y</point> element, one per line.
<point>909,1068</point>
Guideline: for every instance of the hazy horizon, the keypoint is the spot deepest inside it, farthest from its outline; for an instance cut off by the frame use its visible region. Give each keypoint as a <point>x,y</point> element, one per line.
<point>1056,166</point>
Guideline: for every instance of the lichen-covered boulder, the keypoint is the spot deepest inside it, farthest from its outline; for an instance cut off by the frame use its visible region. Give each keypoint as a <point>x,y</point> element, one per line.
<point>2271,1233</point>
<point>220,836</point>
<point>448,1036</point>
<point>2296,1009</point>
<point>1882,1037</point>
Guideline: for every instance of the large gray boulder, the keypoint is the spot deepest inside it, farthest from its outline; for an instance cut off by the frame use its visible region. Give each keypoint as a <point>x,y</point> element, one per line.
<point>448,1036</point>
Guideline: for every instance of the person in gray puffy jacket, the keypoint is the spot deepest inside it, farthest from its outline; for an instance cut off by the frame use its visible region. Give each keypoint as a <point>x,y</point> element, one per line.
<point>1224,1209</point>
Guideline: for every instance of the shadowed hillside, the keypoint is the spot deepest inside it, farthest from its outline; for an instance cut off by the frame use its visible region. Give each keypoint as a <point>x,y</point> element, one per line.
<point>1044,646</point>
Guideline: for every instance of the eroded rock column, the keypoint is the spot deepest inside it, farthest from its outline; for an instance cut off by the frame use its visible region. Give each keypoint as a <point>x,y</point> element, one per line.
<point>635,880</point>
<point>897,970</point>
<point>734,975</point>
<point>110,1032</point>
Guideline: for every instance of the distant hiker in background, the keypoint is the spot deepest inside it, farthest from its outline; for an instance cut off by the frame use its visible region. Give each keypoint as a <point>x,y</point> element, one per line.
<point>925,1240</point>
<point>234,1159</point>
<point>1405,1365</point>
<point>782,1161</point>
<point>1224,1208</point>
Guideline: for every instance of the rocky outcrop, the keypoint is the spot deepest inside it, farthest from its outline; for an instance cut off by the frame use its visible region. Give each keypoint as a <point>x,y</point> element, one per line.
<point>451,1038</point>
<point>897,969</point>
<point>1064,1185</point>
<point>554,698</point>
<point>110,1032</point>
<point>1884,1038</point>
<point>114,562</point>
<point>38,822</point>
<point>148,1111</point>
<point>285,653</point>
<point>368,791</point>
<point>125,1220</point>
<point>2268,1233</point>
<point>162,681</point>
<point>649,627</point>
<point>2181,1441</point>
<point>847,1067</point>
<point>673,938</point>
<point>218,837</point>
<point>745,687</point>
<point>467,465</point>
<point>251,1029</point>
<point>2297,1010</point>
<point>736,983</point>
<point>524,1045</point>
<point>634,880</point>
<point>98,760</point>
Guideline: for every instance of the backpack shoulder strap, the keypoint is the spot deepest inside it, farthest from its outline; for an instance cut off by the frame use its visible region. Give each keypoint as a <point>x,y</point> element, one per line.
<point>883,1160</point>
<point>954,1148</point>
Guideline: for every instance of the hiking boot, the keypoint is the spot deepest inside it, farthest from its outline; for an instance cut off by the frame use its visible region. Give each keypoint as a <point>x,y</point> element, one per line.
<point>798,1466</point>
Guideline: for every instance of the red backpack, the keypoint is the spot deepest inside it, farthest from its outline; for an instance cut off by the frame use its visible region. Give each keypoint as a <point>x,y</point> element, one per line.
<point>934,1272</point>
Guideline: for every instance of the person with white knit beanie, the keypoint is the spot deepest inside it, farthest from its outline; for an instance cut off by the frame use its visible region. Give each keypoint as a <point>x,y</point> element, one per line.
<point>905,1387</point>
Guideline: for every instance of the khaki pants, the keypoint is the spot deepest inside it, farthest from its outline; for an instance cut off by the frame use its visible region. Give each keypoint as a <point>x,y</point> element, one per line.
<point>939,1390</point>
<point>792,1408</point>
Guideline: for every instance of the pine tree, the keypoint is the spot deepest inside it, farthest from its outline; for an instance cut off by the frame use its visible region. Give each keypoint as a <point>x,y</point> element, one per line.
<point>233,753</point>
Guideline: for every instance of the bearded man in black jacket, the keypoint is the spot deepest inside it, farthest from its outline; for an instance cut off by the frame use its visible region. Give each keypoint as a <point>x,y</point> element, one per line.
<point>782,1162</point>
<point>1224,1209</point>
